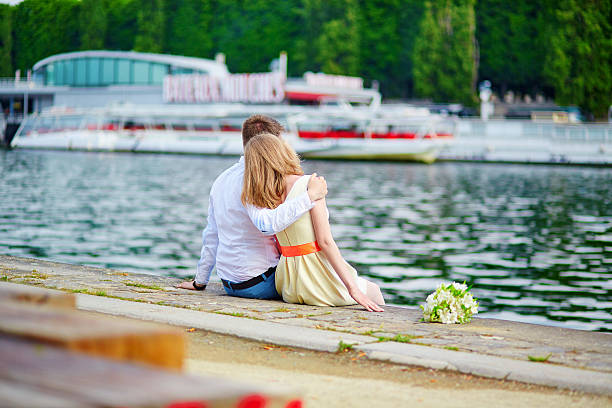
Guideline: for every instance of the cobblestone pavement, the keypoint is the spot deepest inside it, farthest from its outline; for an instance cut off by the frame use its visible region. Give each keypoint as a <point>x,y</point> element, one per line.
<point>567,347</point>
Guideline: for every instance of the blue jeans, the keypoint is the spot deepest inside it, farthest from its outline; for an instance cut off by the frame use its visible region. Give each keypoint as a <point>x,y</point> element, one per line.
<point>263,290</point>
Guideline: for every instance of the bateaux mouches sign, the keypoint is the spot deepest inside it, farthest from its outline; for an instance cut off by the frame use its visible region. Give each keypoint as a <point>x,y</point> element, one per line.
<point>265,87</point>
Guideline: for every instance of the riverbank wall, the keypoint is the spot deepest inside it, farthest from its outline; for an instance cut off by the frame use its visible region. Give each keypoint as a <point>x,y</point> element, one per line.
<point>544,355</point>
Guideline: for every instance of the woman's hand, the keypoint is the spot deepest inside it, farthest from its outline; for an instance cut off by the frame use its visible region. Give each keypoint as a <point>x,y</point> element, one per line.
<point>364,301</point>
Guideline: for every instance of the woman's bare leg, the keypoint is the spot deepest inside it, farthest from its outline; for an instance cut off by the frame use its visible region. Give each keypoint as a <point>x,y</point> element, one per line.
<point>374,293</point>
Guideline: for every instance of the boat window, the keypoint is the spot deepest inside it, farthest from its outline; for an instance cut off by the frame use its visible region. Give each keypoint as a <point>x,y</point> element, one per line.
<point>91,122</point>
<point>310,126</point>
<point>47,124</point>
<point>49,74</point>
<point>141,72</point>
<point>68,123</point>
<point>28,126</point>
<point>68,73</point>
<point>108,71</point>
<point>59,72</point>
<point>133,125</point>
<point>93,71</point>
<point>80,72</point>
<point>178,71</point>
<point>203,127</point>
<point>110,124</point>
<point>123,71</point>
<point>231,125</point>
<point>158,72</point>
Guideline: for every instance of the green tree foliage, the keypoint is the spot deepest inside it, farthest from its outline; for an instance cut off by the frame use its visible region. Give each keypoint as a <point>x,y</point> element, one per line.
<point>311,14</point>
<point>388,31</point>
<point>150,23</point>
<point>6,41</point>
<point>512,37</point>
<point>253,32</point>
<point>188,28</point>
<point>338,45</point>
<point>42,28</point>
<point>92,21</point>
<point>579,62</point>
<point>329,37</point>
<point>425,48</point>
<point>444,53</point>
<point>122,24</point>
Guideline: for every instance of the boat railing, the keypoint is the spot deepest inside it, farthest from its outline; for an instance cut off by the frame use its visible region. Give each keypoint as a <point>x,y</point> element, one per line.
<point>572,132</point>
<point>13,118</point>
<point>508,128</point>
<point>21,83</point>
<point>60,120</point>
<point>335,127</point>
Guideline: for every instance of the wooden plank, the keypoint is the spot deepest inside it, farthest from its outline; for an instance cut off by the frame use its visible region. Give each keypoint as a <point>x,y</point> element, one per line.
<point>35,295</point>
<point>98,382</point>
<point>112,337</point>
<point>16,395</point>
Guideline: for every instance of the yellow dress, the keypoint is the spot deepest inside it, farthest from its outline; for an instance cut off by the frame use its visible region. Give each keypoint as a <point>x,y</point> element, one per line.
<point>308,279</point>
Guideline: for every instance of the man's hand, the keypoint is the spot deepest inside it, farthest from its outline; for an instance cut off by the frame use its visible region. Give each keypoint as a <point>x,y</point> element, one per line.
<point>186,285</point>
<point>317,187</point>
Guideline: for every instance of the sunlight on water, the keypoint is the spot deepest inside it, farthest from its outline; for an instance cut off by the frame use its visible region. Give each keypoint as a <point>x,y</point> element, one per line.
<point>534,241</point>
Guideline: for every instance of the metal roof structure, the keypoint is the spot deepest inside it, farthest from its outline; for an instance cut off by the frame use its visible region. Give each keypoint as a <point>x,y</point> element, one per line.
<point>212,67</point>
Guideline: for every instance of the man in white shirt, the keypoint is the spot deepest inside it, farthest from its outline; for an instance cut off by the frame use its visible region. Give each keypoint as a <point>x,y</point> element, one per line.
<point>239,240</point>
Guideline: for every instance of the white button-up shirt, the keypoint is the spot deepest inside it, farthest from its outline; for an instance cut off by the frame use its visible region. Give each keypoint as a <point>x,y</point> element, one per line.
<point>239,240</point>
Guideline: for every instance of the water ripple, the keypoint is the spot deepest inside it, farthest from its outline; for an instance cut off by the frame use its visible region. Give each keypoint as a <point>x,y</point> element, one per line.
<point>536,242</point>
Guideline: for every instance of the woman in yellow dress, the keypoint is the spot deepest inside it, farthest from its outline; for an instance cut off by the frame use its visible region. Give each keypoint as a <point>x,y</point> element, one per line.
<point>311,269</point>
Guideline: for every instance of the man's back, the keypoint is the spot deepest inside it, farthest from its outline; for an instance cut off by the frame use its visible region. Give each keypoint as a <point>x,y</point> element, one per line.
<point>243,251</point>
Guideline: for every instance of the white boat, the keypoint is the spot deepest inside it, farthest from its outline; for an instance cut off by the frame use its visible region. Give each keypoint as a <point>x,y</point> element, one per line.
<point>375,137</point>
<point>329,132</point>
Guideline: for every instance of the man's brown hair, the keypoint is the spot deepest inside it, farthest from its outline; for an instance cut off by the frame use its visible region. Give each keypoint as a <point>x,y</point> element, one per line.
<point>258,124</point>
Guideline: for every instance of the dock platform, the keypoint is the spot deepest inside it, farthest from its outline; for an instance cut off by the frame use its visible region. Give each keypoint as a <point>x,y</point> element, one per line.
<point>576,359</point>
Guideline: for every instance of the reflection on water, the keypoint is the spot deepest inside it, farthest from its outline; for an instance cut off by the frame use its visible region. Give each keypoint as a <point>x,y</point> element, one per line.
<point>536,242</point>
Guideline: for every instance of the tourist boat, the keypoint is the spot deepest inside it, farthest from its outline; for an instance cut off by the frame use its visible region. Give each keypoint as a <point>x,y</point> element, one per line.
<point>405,138</point>
<point>327,132</point>
<point>174,104</point>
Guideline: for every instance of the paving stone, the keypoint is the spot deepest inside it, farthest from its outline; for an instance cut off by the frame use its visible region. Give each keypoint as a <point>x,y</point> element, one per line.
<point>492,337</point>
<point>279,315</point>
<point>296,321</point>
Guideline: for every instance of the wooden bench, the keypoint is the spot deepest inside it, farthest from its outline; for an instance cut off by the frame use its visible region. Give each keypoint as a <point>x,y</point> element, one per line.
<point>35,375</point>
<point>111,337</point>
<point>61,357</point>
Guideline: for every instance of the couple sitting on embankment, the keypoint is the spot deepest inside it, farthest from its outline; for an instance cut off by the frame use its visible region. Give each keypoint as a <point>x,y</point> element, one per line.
<point>267,193</point>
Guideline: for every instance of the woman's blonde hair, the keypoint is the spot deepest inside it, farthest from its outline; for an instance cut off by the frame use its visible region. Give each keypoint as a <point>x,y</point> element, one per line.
<point>267,160</point>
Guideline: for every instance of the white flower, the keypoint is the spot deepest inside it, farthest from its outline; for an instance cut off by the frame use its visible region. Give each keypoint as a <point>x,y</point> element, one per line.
<point>450,303</point>
<point>459,286</point>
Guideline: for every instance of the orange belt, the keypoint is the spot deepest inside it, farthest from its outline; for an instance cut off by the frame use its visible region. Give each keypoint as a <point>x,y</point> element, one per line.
<point>299,250</point>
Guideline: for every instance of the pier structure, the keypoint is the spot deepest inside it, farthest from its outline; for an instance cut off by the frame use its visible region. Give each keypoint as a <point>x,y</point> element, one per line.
<point>529,353</point>
<point>20,97</point>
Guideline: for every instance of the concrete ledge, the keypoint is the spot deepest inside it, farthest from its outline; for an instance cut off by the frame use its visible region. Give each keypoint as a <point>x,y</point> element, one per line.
<point>491,366</point>
<point>258,330</point>
<point>328,341</point>
<point>485,347</point>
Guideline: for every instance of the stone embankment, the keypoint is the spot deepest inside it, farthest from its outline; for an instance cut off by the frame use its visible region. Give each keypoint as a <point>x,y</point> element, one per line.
<point>493,348</point>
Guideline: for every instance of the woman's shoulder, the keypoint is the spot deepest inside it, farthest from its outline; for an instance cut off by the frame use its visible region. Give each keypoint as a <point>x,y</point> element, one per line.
<point>294,180</point>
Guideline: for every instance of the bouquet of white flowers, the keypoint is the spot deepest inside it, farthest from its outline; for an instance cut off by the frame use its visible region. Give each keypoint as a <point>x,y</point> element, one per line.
<point>450,303</point>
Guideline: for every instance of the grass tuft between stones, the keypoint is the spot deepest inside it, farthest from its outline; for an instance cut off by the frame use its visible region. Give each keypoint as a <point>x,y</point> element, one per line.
<point>539,359</point>
<point>344,347</point>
